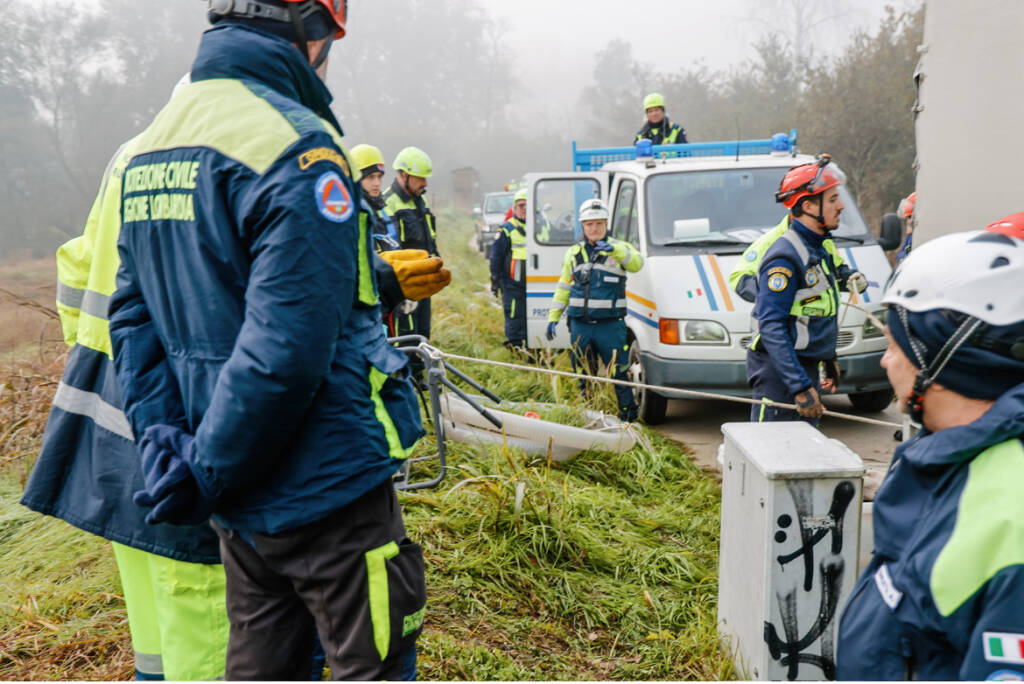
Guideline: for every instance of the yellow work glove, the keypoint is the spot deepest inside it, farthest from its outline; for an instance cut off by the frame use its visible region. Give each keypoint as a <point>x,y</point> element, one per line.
<point>419,274</point>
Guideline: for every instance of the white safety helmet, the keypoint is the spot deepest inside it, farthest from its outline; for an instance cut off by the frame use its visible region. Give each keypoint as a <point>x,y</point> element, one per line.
<point>978,273</point>
<point>593,210</point>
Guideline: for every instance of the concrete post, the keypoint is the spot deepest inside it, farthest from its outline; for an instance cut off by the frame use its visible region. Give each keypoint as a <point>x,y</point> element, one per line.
<point>791,503</point>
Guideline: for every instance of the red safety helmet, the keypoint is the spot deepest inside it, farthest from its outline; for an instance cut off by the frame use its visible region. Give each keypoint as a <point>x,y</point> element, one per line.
<point>806,180</point>
<point>336,9</point>
<point>906,208</point>
<point>1012,225</point>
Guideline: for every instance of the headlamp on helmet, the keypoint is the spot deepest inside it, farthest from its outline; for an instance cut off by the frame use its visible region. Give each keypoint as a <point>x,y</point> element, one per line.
<point>593,210</point>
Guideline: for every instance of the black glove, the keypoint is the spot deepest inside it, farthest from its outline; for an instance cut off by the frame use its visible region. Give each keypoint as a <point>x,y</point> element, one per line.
<point>495,290</point>
<point>550,332</point>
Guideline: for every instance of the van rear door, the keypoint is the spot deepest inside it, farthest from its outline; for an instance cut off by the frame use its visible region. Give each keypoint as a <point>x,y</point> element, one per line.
<point>551,228</point>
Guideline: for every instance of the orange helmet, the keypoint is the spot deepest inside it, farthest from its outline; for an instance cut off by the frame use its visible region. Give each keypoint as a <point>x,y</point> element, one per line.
<point>1012,225</point>
<point>806,180</point>
<point>906,208</point>
<point>336,9</point>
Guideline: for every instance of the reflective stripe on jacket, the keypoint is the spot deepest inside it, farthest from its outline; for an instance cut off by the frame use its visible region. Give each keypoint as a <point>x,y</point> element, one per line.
<point>797,301</point>
<point>243,294</point>
<point>509,254</point>
<point>665,133</point>
<point>743,277</point>
<point>415,221</point>
<point>593,286</point>
<point>88,466</point>
<point>943,596</point>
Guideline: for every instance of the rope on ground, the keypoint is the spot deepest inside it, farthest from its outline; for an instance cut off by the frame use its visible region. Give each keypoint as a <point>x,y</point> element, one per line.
<point>660,388</point>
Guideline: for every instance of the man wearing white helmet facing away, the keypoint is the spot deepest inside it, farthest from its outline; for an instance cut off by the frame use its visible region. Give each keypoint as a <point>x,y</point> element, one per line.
<point>943,596</point>
<point>592,291</point>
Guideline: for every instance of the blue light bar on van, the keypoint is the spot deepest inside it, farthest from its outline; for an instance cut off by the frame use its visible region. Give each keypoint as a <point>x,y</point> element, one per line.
<point>594,158</point>
<point>644,149</point>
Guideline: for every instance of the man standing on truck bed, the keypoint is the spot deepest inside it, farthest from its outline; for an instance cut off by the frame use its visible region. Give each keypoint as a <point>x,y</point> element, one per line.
<point>658,129</point>
<point>795,325</point>
<point>592,288</point>
<point>508,272</point>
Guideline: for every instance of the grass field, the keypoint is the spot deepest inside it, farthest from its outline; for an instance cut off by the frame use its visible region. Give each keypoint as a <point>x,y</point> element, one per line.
<point>603,567</point>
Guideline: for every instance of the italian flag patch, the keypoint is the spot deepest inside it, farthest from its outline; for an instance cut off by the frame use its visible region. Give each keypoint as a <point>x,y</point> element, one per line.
<point>1004,647</point>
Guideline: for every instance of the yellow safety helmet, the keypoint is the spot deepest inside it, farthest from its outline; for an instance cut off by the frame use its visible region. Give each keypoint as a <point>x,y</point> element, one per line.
<point>414,162</point>
<point>367,159</point>
<point>654,100</point>
<point>520,195</point>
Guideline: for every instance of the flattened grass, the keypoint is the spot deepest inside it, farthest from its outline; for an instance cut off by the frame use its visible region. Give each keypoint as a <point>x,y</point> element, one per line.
<point>603,567</point>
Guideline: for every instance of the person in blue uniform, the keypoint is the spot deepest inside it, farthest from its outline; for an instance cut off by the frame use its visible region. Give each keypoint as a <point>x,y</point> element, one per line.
<point>797,300</point>
<point>943,596</point>
<point>508,272</point>
<point>657,128</point>
<point>591,291</point>
<point>252,359</point>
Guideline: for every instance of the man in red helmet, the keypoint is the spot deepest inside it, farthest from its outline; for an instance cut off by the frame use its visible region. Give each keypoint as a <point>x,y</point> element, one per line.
<point>795,325</point>
<point>251,357</point>
<point>906,212</point>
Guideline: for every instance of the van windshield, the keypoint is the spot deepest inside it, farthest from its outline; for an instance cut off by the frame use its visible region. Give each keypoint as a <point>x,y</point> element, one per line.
<point>729,208</point>
<point>498,204</point>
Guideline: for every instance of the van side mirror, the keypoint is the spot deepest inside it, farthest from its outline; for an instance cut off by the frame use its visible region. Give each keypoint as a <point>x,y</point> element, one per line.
<point>892,231</point>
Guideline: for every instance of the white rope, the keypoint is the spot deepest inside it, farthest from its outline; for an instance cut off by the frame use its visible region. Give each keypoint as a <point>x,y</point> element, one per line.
<point>660,388</point>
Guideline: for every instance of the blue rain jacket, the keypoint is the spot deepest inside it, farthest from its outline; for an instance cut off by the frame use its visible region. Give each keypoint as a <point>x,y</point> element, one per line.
<point>943,597</point>
<point>243,258</point>
<point>785,334</point>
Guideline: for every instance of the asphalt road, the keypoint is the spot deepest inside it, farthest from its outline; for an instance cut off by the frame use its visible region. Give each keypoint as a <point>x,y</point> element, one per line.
<point>698,424</point>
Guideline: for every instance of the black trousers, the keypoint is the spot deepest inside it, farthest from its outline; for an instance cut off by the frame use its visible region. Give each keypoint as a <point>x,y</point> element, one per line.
<point>355,572</point>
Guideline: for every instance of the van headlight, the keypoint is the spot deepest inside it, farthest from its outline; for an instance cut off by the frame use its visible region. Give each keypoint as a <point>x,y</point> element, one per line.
<point>673,331</point>
<point>869,329</point>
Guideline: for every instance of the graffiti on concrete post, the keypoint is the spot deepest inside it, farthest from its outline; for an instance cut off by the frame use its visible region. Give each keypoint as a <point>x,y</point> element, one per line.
<point>789,647</point>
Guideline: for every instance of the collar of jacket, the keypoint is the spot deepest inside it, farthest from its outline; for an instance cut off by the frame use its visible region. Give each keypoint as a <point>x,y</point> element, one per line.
<point>397,188</point>
<point>375,202</point>
<point>665,124</point>
<point>809,236</point>
<point>1003,421</point>
<point>248,54</point>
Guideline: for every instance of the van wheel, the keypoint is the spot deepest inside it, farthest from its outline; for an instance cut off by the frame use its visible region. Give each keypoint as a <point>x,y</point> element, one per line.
<point>652,405</point>
<point>872,402</point>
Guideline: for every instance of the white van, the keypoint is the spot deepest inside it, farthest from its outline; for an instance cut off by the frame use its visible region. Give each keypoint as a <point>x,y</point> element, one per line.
<point>692,216</point>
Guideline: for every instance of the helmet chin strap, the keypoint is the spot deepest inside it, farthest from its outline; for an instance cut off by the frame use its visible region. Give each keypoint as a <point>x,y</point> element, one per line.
<point>300,35</point>
<point>300,29</point>
<point>929,372</point>
<point>820,217</point>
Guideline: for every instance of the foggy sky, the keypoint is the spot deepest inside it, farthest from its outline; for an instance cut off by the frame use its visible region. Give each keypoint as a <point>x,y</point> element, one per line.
<point>553,41</point>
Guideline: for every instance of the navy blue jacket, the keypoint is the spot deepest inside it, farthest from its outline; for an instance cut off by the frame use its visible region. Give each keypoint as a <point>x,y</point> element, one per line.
<point>943,597</point>
<point>235,314</point>
<point>501,258</point>
<point>782,273</point>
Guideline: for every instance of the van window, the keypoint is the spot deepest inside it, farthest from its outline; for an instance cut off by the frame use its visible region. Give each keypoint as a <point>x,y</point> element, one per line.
<point>498,204</point>
<point>625,225</point>
<point>555,204</point>
<point>727,207</point>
